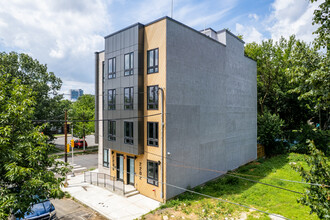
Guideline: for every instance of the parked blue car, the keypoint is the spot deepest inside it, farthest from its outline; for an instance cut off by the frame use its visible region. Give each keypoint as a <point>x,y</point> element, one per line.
<point>41,211</point>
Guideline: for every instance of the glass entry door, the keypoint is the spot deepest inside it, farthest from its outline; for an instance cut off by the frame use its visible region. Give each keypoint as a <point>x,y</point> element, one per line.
<point>130,170</point>
<point>120,167</point>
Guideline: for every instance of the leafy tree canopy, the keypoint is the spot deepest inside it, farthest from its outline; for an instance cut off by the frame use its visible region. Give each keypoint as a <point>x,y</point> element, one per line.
<point>24,152</point>
<point>82,111</point>
<point>44,85</point>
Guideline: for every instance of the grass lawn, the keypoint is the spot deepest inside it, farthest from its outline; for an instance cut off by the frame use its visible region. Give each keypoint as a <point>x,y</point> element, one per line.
<point>256,195</point>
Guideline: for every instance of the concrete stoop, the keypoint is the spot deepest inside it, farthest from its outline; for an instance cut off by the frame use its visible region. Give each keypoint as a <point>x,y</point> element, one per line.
<point>131,193</point>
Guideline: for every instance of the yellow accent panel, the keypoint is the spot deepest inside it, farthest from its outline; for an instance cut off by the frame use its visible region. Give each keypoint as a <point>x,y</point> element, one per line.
<point>154,37</point>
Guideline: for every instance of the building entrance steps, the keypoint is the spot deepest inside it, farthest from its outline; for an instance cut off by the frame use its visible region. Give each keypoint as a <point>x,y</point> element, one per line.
<point>110,183</point>
<point>107,202</point>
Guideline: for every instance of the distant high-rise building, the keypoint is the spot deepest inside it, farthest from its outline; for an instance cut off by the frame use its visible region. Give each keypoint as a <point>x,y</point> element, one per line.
<point>76,93</point>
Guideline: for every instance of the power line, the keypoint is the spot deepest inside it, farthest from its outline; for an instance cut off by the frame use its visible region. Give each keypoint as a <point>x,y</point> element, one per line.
<point>205,195</point>
<point>93,120</point>
<point>234,174</point>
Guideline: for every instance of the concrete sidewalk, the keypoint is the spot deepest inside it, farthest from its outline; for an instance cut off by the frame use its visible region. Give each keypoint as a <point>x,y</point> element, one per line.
<point>107,203</point>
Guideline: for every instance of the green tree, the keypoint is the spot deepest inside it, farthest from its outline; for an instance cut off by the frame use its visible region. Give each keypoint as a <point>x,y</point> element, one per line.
<point>322,18</point>
<point>318,171</point>
<point>270,133</point>
<point>273,81</point>
<point>44,85</point>
<point>24,153</point>
<point>82,114</point>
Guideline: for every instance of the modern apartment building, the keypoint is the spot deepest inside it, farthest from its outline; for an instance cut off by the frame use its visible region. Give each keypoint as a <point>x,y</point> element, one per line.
<point>171,103</point>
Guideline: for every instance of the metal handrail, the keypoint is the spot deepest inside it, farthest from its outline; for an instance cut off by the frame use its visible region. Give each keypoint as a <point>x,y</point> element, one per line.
<point>104,180</point>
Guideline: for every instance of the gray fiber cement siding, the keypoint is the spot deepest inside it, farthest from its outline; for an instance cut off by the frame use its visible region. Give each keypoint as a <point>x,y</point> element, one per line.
<point>117,45</point>
<point>211,115</point>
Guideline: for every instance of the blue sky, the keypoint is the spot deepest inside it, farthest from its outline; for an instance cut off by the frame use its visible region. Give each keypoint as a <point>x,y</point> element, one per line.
<point>64,34</point>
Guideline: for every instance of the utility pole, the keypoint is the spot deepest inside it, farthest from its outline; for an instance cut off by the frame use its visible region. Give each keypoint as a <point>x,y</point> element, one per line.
<point>65,137</point>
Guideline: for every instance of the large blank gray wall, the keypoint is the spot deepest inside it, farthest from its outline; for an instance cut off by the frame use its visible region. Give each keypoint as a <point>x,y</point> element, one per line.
<point>210,104</point>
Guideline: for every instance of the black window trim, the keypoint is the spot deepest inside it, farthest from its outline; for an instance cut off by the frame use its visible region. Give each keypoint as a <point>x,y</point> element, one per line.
<point>154,180</point>
<point>129,139</point>
<point>154,66</point>
<point>106,163</point>
<point>152,139</point>
<point>155,103</point>
<point>113,72</point>
<point>112,106</point>
<point>131,98</point>
<point>112,136</point>
<point>131,61</point>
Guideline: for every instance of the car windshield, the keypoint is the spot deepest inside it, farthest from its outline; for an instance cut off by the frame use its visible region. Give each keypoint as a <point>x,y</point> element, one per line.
<point>36,210</point>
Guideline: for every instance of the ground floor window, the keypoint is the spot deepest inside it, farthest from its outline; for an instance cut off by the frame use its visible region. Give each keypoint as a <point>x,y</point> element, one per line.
<point>152,172</point>
<point>106,157</point>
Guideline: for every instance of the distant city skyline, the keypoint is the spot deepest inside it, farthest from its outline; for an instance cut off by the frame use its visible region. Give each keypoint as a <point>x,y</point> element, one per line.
<point>65,34</point>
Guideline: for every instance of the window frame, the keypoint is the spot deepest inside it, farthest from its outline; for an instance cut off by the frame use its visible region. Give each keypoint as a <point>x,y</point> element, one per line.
<point>129,105</point>
<point>153,141</point>
<point>130,68</point>
<point>111,130</point>
<point>112,72</point>
<point>112,105</point>
<point>107,162</point>
<point>130,138</point>
<point>155,67</point>
<point>153,180</point>
<point>152,105</point>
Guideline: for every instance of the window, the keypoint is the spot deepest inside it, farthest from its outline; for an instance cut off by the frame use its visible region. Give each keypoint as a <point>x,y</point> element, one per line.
<point>128,98</point>
<point>103,71</point>
<point>152,102</point>
<point>152,61</point>
<point>112,68</point>
<point>128,132</point>
<point>152,172</point>
<point>128,64</point>
<point>111,130</point>
<point>106,157</point>
<point>152,136</point>
<point>111,99</point>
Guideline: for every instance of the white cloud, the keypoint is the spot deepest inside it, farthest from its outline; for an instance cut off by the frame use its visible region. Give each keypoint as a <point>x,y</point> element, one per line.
<point>292,17</point>
<point>254,16</point>
<point>250,33</point>
<point>58,33</point>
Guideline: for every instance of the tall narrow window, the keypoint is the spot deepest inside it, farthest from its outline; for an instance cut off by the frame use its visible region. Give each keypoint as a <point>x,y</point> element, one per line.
<point>128,98</point>
<point>128,64</point>
<point>152,96</point>
<point>111,130</point>
<point>112,68</point>
<point>128,132</point>
<point>152,136</point>
<point>152,61</point>
<point>106,157</point>
<point>152,169</point>
<point>111,99</point>
<point>103,71</point>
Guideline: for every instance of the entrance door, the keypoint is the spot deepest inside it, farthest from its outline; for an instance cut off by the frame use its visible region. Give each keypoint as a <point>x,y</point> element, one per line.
<point>130,170</point>
<point>120,167</point>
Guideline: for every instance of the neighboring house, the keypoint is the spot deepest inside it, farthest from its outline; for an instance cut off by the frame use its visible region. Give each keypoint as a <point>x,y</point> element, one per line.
<point>76,93</point>
<point>209,105</point>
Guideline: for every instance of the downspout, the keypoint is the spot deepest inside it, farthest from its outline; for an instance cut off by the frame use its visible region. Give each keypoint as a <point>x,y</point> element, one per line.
<point>162,147</point>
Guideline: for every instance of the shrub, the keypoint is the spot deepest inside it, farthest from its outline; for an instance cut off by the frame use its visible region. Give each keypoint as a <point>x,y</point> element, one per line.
<point>270,133</point>
<point>321,139</point>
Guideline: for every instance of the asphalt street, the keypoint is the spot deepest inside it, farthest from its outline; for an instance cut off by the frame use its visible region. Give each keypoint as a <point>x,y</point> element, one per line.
<point>59,141</point>
<point>68,209</point>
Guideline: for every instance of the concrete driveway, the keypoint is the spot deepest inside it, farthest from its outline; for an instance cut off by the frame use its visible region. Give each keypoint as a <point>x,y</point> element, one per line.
<point>68,209</point>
